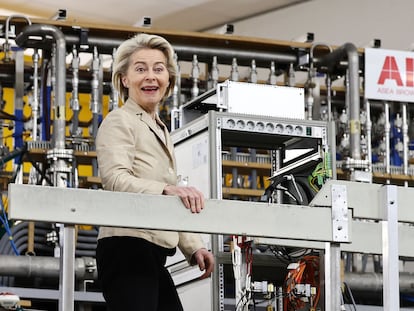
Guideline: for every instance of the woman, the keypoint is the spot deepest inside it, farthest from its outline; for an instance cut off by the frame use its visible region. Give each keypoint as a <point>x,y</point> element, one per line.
<point>135,154</point>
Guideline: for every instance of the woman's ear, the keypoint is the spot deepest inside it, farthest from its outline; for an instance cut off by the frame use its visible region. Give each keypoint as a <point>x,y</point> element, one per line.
<point>124,82</point>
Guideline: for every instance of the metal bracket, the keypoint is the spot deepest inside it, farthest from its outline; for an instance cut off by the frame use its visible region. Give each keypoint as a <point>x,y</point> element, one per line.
<point>339,213</point>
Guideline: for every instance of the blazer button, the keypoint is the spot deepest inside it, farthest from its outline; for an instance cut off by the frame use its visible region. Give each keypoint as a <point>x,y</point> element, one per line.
<point>170,170</point>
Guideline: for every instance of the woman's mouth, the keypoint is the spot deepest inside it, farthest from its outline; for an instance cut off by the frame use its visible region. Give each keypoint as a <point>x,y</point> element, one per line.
<point>150,88</point>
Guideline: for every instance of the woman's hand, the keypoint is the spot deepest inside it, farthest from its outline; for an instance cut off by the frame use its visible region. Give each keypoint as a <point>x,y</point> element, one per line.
<point>192,198</point>
<point>205,261</point>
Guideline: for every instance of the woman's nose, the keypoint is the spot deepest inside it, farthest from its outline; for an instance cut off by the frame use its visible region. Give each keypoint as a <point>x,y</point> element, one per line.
<point>150,75</point>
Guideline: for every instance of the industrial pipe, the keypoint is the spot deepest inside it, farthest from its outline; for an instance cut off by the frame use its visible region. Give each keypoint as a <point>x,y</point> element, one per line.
<point>227,55</point>
<point>74,101</point>
<point>41,266</point>
<point>373,282</point>
<point>6,45</point>
<point>349,51</point>
<point>186,52</point>
<point>85,268</point>
<point>59,123</point>
<point>35,102</point>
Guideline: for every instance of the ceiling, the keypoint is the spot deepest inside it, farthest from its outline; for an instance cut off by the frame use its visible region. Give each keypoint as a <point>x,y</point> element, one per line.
<point>181,15</point>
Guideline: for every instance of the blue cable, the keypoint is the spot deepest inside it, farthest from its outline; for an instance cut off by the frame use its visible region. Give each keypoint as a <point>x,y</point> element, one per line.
<point>5,223</point>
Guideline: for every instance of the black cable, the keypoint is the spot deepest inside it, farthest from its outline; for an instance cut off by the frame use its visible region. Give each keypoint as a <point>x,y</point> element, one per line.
<point>349,292</point>
<point>7,116</point>
<point>41,173</point>
<point>254,303</point>
<point>281,255</point>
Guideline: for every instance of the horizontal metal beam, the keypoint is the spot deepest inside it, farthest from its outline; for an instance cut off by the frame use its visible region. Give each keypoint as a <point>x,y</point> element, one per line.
<point>120,209</point>
<point>367,239</point>
<point>364,200</point>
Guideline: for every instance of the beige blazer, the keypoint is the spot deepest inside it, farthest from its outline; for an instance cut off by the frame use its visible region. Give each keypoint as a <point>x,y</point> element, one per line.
<point>135,154</point>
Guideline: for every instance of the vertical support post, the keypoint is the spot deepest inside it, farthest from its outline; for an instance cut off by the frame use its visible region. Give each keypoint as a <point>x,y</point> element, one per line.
<point>216,192</point>
<point>67,264</point>
<point>332,276</point>
<point>332,250</point>
<point>277,160</point>
<point>391,284</point>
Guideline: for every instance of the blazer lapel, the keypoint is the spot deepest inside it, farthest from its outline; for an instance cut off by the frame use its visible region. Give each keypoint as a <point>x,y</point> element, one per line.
<point>165,140</point>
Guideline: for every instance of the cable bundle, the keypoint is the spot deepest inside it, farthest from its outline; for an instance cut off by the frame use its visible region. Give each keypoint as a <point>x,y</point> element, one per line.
<point>5,223</point>
<point>302,284</point>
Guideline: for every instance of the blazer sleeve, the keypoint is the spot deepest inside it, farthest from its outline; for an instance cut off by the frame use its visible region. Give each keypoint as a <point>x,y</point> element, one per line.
<point>189,243</point>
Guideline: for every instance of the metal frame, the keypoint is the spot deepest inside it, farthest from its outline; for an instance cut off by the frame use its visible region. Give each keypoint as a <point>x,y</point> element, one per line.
<point>243,130</point>
<point>95,207</point>
<point>80,206</point>
<point>381,224</point>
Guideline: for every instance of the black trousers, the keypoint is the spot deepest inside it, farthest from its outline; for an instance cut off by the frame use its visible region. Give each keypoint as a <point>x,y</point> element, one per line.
<point>132,275</point>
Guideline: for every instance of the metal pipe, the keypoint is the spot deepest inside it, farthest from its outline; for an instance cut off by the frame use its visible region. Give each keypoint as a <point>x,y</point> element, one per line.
<point>387,130</point>
<point>186,52</point>
<point>329,96</point>
<point>176,97</point>
<point>331,143</point>
<point>85,268</point>
<point>234,73</point>
<point>74,101</point>
<point>253,72</point>
<point>228,54</point>
<point>59,123</point>
<point>35,102</point>
<point>214,73</point>
<point>369,134</point>
<point>114,94</point>
<point>291,76</point>
<point>195,74</point>
<point>272,80</point>
<point>405,140</point>
<point>94,104</point>
<point>313,88</point>
<point>330,60</point>
<point>373,282</point>
<point>6,45</point>
<point>42,266</point>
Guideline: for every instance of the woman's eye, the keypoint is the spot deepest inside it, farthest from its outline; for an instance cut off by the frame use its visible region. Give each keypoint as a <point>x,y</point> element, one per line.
<point>140,69</point>
<point>159,69</point>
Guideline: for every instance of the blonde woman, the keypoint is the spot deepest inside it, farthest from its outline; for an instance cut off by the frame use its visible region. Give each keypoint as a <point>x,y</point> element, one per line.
<point>135,154</point>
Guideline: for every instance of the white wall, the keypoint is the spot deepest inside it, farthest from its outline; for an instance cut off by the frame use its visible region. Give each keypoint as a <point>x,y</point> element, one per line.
<point>338,21</point>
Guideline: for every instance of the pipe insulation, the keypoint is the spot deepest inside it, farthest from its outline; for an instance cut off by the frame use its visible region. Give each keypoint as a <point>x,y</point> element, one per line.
<point>59,123</point>
<point>41,266</point>
<point>349,51</point>
<point>373,282</point>
<point>85,268</point>
<point>184,52</point>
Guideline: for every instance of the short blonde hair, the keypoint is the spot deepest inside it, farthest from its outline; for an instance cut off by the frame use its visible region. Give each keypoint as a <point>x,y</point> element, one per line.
<point>129,47</point>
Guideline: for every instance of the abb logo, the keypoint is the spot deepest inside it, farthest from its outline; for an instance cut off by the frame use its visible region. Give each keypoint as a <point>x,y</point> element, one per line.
<point>389,75</point>
<point>390,71</point>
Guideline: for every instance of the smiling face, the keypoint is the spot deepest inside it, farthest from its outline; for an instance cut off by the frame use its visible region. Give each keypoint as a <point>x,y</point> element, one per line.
<point>147,78</point>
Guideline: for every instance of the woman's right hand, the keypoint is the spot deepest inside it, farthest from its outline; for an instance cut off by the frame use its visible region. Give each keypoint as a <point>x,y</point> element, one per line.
<point>192,198</point>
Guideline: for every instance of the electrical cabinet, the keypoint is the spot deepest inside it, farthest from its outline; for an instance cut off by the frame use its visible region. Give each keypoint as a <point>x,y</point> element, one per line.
<point>202,149</point>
